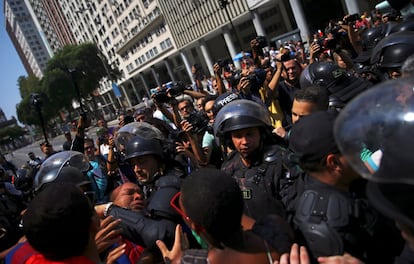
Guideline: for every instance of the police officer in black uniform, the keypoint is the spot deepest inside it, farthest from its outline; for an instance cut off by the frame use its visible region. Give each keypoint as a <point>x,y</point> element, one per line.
<point>255,160</point>
<point>161,180</point>
<point>390,53</point>
<point>342,86</point>
<point>388,131</point>
<point>327,206</point>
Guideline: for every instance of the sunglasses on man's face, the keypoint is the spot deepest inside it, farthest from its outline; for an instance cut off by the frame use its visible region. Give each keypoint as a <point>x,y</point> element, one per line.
<point>176,205</point>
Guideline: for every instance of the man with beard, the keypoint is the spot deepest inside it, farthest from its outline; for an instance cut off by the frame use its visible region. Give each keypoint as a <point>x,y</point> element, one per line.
<point>287,79</point>
<point>256,161</point>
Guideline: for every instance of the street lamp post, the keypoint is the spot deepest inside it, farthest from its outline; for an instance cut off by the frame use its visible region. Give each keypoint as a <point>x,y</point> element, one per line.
<point>223,5</point>
<point>37,103</point>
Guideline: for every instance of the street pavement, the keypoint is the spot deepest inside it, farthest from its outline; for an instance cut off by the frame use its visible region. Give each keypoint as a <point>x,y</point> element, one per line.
<point>19,156</point>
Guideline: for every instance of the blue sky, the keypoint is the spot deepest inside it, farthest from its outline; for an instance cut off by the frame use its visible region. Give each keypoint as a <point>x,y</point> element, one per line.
<point>10,69</point>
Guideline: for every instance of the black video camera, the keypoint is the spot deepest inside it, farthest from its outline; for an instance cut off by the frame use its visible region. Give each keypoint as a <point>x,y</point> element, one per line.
<point>161,97</point>
<point>221,63</point>
<point>176,88</point>
<point>252,78</point>
<point>351,18</point>
<point>285,57</point>
<point>262,42</point>
<point>198,121</point>
<point>36,100</point>
<point>103,140</point>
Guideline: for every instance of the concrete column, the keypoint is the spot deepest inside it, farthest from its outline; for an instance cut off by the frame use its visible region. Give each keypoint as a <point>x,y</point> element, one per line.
<point>170,72</point>
<point>126,95</point>
<point>285,17</point>
<point>147,89</point>
<point>135,90</point>
<point>112,101</point>
<point>111,95</point>
<point>300,18</point>
<point>352,6</point>
<point>187,65</point>
<point>155,74</point>
<point>206,57</point>
<point>121,105</point>
<point>257,23</point>
<point>230,45</point>
<point>104,100</point>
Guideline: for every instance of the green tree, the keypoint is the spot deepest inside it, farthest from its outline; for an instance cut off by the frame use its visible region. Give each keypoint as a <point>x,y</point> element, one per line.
<point>27,113</point>
<point>59,89</point>
<point>28,85</point>
<point>10,134</point>
<point>82,66</point>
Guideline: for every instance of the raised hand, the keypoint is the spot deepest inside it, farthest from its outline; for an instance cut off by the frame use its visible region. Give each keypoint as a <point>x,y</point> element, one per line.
<point>298,255</point>
<point>108,233</point>
<point>173,256</point>
<point>115,253</point>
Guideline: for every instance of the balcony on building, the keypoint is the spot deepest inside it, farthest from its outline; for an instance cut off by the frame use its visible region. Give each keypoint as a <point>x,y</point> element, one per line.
<point>145,25</point>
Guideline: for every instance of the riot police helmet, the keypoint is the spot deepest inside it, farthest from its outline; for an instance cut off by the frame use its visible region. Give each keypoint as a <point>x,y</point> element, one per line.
<point>130,130</point>
<point>342,86</point>
<point>324,74</point>
<point>65,166</point>
<point>406,25</point>
<point>392,50</point>
<point>240,114</point>
<point>371,36</point>
<point>224,99</point>
<point>139,146</point>
<point>374,132</point>
<point>24,178</point>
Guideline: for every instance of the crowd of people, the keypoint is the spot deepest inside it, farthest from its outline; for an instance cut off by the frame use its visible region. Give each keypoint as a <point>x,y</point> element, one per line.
<point>300,156</point>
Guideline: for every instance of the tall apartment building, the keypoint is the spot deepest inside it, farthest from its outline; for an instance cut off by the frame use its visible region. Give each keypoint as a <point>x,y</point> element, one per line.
<point>27,36</point>
<point>156,41</point>
<point>131,34</point>
<point>54,23</point>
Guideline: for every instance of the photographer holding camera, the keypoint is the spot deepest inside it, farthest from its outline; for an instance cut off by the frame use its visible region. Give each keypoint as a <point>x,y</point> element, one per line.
<point>284,83</point>
<point>102,142</point>
<point>257,44</point>
<point>166,103</point>
<point>194,127</point>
